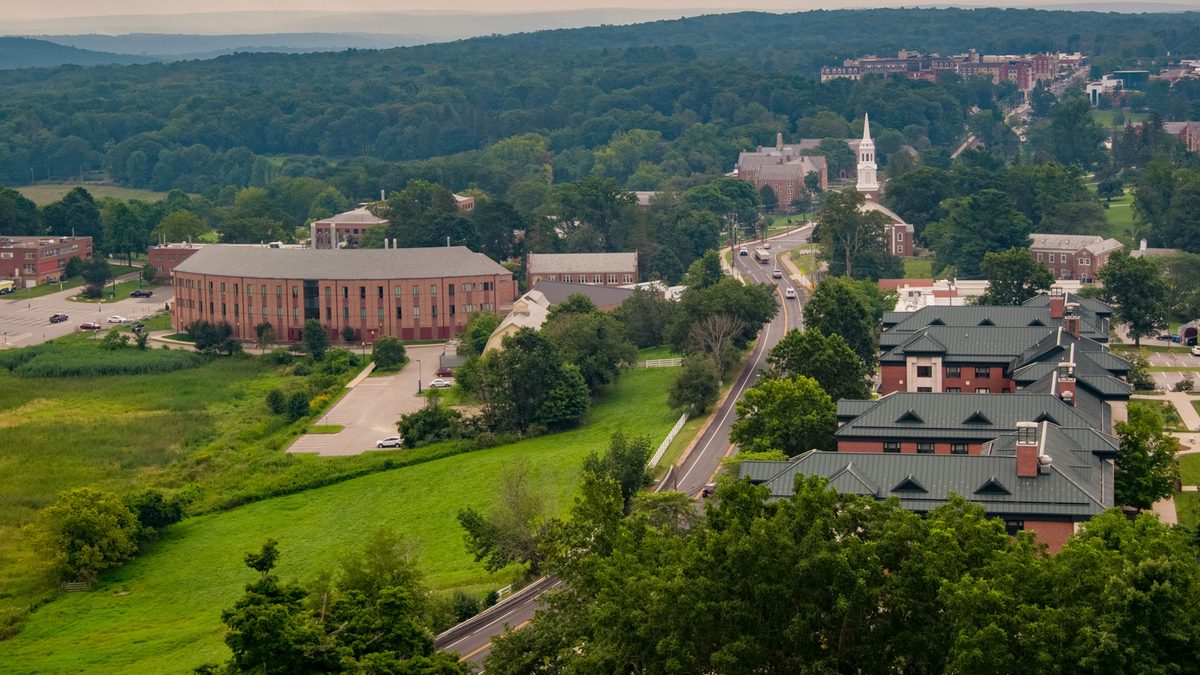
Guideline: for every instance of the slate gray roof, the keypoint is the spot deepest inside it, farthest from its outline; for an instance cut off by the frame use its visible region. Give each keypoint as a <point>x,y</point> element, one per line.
<point>924,482</point>
<point>896,324</point>
<point>361,263</point>
<point>601,296</point>
<point>954,417</point>
<point>359,216</point>
<point>968,344</point>
<point>1085,304</point>
<point>554,263</point>
<point>1074,242</point>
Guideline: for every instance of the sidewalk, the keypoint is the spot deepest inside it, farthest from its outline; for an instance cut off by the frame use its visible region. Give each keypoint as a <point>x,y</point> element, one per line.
<point>1183,405</point>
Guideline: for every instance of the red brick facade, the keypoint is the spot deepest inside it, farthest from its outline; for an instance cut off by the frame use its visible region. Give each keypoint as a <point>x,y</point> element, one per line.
<point>1052,533</point>
<point>165,257</point>
<point>30,261</point>
<point>962,378</point>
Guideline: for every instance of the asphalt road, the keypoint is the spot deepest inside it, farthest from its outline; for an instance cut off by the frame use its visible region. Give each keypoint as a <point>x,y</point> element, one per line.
<point>472,639</point>
<point>27,322</point>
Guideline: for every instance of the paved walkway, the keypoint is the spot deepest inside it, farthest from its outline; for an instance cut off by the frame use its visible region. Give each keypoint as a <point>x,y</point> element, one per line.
<point>371,409</point>
<point>1183,405</point>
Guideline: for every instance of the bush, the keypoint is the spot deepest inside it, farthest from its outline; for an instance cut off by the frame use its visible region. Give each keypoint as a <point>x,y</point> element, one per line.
<point>113,339</point>
<point>697,387</point>
<point>276,401</point>
<point>349,334</point>
<point>465,606</point>
<point>84,532</point>
<point>154,511</point>
<point>388,352</point>
<point>431,424</point>
<point>280,356</point>
<point>301,370</point>
<point>297,406</point>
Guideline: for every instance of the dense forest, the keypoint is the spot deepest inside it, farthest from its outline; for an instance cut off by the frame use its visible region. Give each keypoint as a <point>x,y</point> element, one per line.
<point>640,104</point>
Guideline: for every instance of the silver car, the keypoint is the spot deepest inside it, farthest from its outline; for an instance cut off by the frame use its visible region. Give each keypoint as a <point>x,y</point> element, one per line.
<point>390,442</point>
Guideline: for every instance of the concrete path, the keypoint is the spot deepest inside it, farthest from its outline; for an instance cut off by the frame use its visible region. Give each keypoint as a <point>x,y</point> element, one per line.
<point>371,409</point>
<point>1165,510</point>
<point>1183,405</point>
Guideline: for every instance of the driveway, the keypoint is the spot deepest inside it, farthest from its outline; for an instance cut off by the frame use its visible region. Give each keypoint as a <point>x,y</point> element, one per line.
<point>27,322</point>
<point>371,409</point>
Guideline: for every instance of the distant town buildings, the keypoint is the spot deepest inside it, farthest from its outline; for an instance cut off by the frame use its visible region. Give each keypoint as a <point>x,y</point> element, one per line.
<point>604,269</point>
<point>1024,70</point>
<point>411,294</point>
<point>1073,256</point>
<point>29,261</point>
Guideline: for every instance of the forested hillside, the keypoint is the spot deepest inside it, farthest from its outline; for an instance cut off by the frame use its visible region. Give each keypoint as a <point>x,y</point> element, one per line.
<point>18,52</point>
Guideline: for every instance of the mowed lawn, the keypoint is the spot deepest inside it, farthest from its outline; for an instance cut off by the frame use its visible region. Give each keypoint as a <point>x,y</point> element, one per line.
<point>43,194</point>
<point>161,612</point>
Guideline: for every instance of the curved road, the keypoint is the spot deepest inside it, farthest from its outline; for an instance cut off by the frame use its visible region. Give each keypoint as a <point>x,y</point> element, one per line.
<point>473,638</point>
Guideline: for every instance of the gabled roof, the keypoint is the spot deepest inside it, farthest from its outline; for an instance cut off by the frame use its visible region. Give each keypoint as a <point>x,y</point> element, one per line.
<point>968,344</point>
<point>601,296</point>
<point>590,263</point>
<point>896,324</point>
<point>1085,304</point>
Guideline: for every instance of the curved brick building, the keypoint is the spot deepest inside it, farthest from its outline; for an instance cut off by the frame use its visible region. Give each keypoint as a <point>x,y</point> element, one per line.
<point>412,294</point>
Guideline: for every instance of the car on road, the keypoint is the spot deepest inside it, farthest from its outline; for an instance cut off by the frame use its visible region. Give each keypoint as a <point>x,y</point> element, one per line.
<point>1196,350</point>
<point>443,372</point>
<point>777,274</point>
<point>790,294</point>
<point>1164,336</point>
<point>89,325</point>
<point>439,383</point>
<point>743,252</point>
<point>58,318</point>
<point>390,442</point>
<point>117,318</point>
<point>138,327</point>
<point>141,293</point>
<point>767,245</point>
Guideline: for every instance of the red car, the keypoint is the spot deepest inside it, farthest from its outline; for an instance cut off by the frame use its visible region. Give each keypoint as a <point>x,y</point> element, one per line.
<point>443,372</point>
<point>89,325</point>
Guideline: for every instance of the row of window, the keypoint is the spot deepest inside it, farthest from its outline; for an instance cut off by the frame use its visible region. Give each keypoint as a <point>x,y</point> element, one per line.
<point>954,390</point>
<point>362,312</point>
<point>954,371</point>
<point>925,447</point>
<point>583,278</point>
<point>1062,258</point>
<point>362,290</point>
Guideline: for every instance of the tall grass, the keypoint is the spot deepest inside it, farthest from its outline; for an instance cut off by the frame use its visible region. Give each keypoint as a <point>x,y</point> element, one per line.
<point>90,360</point>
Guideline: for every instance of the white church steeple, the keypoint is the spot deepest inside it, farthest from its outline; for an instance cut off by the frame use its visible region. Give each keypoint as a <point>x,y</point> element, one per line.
<point>867,181</point>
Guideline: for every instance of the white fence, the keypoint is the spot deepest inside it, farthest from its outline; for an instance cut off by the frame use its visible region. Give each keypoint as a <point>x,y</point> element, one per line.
<point>662,363</point>
<point>662,449</point>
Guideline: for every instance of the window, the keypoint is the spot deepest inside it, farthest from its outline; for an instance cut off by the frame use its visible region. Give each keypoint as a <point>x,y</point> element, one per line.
<point>328,314</point>
<point>1040,257</point>
<point>925,390</point>
<point>489,285</point>
<point>416,291</point>
<point>278,289</point>
<point>222,309</point>
<point>1012,527</point>
<point>1062,257</point>
<point>362,292</point>
<point>612,278</point>
<point>983,390</point>
<point>264,311</point>
<point>596,278</point>
<point>235,289</point>
<point>295,314</point>
<point>488,307</point>
<point>953,390</point>
<point>924,371</point>
<point>433,290</point>
<point>416,313</point>
<point>295,292</point>
<point>891,446</point>
<point>567,278</point>
<point>1085,262</point>
<point>345,292</point>
<point>450,290</point>
<point>925,448</point>
<point>399,313</point>
<point>362,314</point>
<point>958,448</point>
<point>953,371</point>
<point>983,371</point>
<point>899,249</point>
<point>433,312</point>
<point>328,293</point>
<point>379,315</point>
<point>397,292</point>
<point>899,236</point>
<point>470,288</point>
<point>279,313</point>
<point>629,278</point>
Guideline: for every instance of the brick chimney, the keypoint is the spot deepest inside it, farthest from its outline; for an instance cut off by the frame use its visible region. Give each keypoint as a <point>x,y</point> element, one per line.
<point>779,140</point>
<point>1071,318</point>
<point>1065,386</point>
<point>1058,304</point>
<point>1027,449</point>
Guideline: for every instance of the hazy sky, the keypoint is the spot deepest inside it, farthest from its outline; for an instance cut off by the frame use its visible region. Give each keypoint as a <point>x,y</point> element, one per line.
<point>31,9</point>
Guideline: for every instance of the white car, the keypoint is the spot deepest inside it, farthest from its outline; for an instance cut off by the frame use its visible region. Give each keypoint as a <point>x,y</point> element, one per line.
<point>439,383</point>
<point>767,245</point>
<point>789,293</point>
<point>390,442</point>
<point>117,318</point>
<point>777,273</point>
<point>1196,350</point>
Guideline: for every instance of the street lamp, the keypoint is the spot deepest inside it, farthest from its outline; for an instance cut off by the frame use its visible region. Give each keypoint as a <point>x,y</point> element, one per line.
<point>418,375</point>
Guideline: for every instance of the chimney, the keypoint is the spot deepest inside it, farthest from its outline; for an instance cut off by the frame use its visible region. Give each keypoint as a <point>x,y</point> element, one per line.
<point>1142,245</point>
<point>1065,381</point>
<point>382,195</point>
<point>1057,303</point>
<point>1071,319</point>
<point>779,140</point>
<point>1027,449</point>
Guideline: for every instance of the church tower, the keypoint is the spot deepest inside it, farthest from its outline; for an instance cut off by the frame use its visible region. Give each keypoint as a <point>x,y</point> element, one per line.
<point>868,184</point>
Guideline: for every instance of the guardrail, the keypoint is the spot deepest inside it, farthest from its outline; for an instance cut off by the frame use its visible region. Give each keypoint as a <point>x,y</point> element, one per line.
<point>662,449</point>
<point>661,363</point>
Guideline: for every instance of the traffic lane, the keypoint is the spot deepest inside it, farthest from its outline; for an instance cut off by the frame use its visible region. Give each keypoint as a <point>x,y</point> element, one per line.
<point>514,613</point>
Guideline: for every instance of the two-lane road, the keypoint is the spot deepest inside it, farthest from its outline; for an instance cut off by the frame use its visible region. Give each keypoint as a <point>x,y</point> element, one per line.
<point>472,639</point>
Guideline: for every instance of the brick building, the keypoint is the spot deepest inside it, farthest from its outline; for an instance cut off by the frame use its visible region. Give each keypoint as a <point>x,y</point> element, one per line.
<point>29,261</point>
<point>1073,256</point>
<point>606,269</point>
<point>164,257</point>
<point>784,168</point>
<point>1188,133</point>
<point>345,230</point>
<point>412,294</point>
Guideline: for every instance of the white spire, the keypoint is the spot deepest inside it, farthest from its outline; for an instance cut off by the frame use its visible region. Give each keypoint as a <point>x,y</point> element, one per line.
<point>867,168</point>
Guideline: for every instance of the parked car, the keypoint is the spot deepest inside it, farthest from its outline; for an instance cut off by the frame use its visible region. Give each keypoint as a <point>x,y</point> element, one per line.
<point>89,325</point>
<point>744,252</point>
<point>1164,336</point>
<point>117,318</point>
<point>443,372</point>
<point>141,293</point>
<point>138,327</point>
<point>790,293</point>
<point>58,318</point>
<point>767,245</point>
<point>439,383</point>
<point>390,442</point>
<point>1196,350</point>
<point>777,274</point>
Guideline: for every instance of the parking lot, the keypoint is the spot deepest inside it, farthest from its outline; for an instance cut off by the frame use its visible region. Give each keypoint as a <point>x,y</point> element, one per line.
<point>27,322</point>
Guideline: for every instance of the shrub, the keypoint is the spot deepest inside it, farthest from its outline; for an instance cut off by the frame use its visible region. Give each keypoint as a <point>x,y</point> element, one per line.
<point>465,606</point>
<point>276,401</point>
<point>301,370</point>
<point>297,406</point>
<point>349,334</point>
<point>280,356</point>
<point>430,424</point>
<point>114,339</point>
<point>84,532</point>
<point>314,338</point>
<point>388,352</point>
<point>154,511</point>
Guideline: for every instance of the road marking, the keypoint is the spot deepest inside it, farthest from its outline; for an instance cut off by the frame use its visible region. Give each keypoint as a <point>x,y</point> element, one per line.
<point>517,627</point>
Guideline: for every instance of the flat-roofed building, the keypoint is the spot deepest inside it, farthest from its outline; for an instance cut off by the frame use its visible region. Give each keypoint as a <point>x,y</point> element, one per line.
<point>411,294</point>
<point>29,261</point>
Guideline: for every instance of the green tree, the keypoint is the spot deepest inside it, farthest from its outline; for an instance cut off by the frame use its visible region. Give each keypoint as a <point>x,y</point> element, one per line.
<point>96,273</point>
<point>853,241</point>
<point>515,527</point>
<point>566,402</point>
<point>1041,100</point>
<point>18,215</point>
<point>433,423</point>
<point>1073,136</point>
<point>154,510</point>
<point>114,339</point>
<point>1146,466</point>
<point>74,267</point>
<point>751,305</point>
<point>84,532</point>
<point>179,226</point>
<point>388,352</point>
<point>124,233</point>
<point>838,307</point>
<point>594,342</point>
<point>704,271</point>
<point>526,382</point>
<point>76,214</point>
<point>315,340</point>
<point>917,196</point>
<point>982,223</point>
<point>828,359</point>
<point>276,401</point>
<point>624,462</point>
<point>645,316</point>
<point>1013,277</point>
<point>478,330</point>
<point>1138,292</point>
<point>494,224</point>
<point>576,303</point>
<point>264,334</point>
<point>148,274</point>
<point>770,200</point>
<point>697,386</point>
<point>793,415</point>
<point>297,406</point>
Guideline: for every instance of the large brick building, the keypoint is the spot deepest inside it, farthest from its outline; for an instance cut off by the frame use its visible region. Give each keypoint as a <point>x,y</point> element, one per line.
<point>29,261</point>
<point>784,168</point>
<point>412,294</point>
<point>1073,256</point>
<point>345,230</point>
<point>604,269</point>
<point>164,258</point>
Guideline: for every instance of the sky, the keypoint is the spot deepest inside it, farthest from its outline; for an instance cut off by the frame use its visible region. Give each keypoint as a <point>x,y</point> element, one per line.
<point>52,9</point>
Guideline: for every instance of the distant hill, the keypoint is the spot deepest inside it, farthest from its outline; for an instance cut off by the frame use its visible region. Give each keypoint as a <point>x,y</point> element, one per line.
<point>173,47</point>
<point>18,52</point>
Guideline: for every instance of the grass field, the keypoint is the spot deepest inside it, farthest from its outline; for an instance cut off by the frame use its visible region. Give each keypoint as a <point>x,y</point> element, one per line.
<point>43,194</point>
<point>161,612</point>
<point>1170,416</point>
<point>1187,507</point>
<point>1189,469</point>
<point>917,268</point>
<point>1119,217</point>
<point>1107,118</point>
